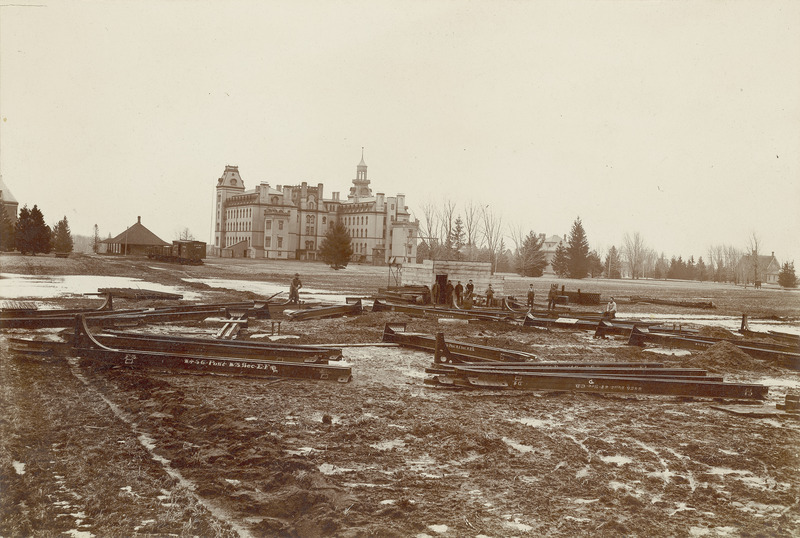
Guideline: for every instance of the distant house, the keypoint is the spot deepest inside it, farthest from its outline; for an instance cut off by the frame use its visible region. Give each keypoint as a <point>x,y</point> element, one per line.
<point>134,241</point>
<point>9,203</point>
<point>760,268</point>
<point>549,247</point>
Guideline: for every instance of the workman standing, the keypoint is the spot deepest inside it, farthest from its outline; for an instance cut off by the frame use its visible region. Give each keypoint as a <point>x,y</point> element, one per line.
<point>470,287</point>
<point>459,292</point>
<point>489,295</point>
<point>294,289</point>
<point>530,296</point>
<point>448,294</point>
<point>611,309</point>
<point>551,297</point>
<point>435,293</point>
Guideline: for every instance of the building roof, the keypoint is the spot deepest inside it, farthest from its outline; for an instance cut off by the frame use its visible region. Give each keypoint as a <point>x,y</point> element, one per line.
<point>5,194</point>
<point>764,261</point>
<point>137,235</point>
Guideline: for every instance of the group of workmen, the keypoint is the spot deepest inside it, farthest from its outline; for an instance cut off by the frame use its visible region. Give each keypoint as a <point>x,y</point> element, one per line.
<point>464,296</point>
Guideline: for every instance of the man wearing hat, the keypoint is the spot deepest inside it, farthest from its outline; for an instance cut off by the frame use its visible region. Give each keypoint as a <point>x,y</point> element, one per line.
<point>294,289</point>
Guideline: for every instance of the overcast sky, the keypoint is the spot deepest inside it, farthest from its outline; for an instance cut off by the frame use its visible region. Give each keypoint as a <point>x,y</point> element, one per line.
<point>679,120</point>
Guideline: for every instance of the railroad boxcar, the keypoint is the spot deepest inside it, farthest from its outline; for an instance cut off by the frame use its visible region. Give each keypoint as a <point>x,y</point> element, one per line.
<point>180,251</point>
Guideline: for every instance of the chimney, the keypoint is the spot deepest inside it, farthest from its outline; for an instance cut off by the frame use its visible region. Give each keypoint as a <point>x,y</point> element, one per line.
<point>773,253</point>
<point>139,220</point>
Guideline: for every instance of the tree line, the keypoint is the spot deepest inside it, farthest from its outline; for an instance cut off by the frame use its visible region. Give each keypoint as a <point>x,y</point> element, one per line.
<point>30,234</point>
<point>477,233</point>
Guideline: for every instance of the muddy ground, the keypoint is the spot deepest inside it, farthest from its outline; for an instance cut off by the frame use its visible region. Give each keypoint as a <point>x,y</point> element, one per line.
<point>87,450</point>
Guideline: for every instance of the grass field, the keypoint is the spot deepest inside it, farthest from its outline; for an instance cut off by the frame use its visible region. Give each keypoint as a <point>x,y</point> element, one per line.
<point>87,449</point>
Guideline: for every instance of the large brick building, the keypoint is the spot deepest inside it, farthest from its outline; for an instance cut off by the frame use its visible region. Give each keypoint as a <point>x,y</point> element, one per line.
<point>290,222</point>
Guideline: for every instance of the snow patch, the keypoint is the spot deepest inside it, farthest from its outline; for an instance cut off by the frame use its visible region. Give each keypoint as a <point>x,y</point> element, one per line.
<point>19,467</point>
<point>517,446</point>
<point>619,460</point>
<point>389,445</point>
<point>330,469</point>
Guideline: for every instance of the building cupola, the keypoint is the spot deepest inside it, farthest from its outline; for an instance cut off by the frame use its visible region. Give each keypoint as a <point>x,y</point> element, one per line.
<point>360,188</point>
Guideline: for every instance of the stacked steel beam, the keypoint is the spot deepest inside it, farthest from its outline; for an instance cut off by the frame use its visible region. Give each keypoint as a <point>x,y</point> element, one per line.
<point>618,378</point>
<point>250,359</point>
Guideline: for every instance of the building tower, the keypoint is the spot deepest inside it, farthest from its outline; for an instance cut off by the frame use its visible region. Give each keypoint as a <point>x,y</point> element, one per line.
<point>229,184</point>
<point>360,188</point>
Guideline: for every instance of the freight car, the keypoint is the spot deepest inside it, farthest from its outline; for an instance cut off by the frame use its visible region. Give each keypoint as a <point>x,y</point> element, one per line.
<point>183,252</point>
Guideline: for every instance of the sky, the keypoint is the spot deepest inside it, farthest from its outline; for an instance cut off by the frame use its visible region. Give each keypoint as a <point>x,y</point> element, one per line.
<point>677,120</point>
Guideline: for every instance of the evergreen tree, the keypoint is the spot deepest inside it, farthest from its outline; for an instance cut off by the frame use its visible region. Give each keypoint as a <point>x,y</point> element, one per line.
<point>96,239</point>
<point>532,260</point>
<point>561,261</point>
<point>787,278</point>
<point>62,237</point>
<point>577,251</point>
<point>701,271</point>
<point>6,231</point>
<point>595,265</point>
<point>613,263</point>
<point>24,232</point>
<point>691,269</point>
<point>457,236</point>
<point>41,234</point>
<point>336,249</point>
<point>502,263</point>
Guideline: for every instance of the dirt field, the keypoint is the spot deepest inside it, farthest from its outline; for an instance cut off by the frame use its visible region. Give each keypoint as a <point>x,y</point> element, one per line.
<point>90,451</point>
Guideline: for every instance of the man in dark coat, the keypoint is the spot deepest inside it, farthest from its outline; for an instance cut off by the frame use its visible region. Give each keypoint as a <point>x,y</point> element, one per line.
<point>551,297</point>
<point>435,293</point>
<point>294,289</point>
<point>459,292</point>
<point>448,294</point>
<point>530,296</point>
<point>470,287</point>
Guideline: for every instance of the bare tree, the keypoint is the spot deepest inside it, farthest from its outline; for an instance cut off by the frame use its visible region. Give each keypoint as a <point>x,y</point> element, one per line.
<point>492,233</point>
<point>517,235</point>
<point>753,248</point>
<point>633,250</point>
<point>732,256</point>
<point>472,228</point>
<point>447,218</point>
<point>649,259</point>
<point>429,227</point>
<point>185,235</point>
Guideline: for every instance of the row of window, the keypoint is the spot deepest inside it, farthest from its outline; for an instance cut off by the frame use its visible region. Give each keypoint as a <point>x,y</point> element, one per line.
<point>236,226</point>
<point>241,213</point>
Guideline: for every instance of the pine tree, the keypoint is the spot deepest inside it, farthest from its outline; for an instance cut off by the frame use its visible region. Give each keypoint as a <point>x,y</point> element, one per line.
<point>62,237</point>
<point>41,235</point>
<point>6,231</point>
<point>336,249</point>
<point>701,271</point>
<point>595,264</point>
<point>96,240</point>
<point>577,251</point>
<point>23,232</point>
<point>457,237</point>
<point>561,261</point>
<point>532,260</point>
<point>787,278</point>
